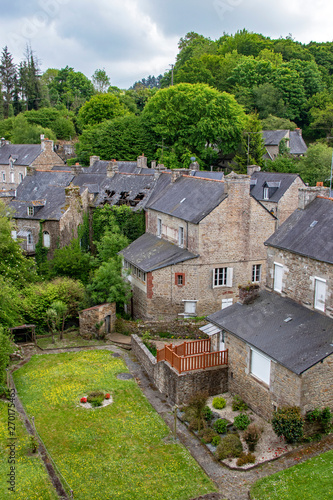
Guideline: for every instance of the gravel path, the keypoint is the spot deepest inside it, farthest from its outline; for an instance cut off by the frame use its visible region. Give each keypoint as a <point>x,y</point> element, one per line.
<point>232,484</point>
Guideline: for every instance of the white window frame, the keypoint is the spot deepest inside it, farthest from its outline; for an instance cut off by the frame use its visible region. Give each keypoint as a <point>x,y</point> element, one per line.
<point>46,239</point>
<point>260,366</point>
<point>14,234</point>
<point>256,273</point>
<point>30,211</point>
<point>222,276</point>
<point>276,267</point>
<point>159,227</point>
<point>12,177</point>
<point>3,176</point>
<point>181,236</point>
<point>190,308</point>
<point>266,193</point>
<point>318,304</point>
<point>21,177</point>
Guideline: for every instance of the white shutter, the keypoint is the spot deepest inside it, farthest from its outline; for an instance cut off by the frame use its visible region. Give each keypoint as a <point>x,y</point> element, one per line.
<point>230,271</point>
<point>278,273</point>
<point>260,366</point>
<point>320,294</point>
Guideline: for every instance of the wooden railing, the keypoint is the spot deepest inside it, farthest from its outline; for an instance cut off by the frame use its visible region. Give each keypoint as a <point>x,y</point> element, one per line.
<point>189,362</point>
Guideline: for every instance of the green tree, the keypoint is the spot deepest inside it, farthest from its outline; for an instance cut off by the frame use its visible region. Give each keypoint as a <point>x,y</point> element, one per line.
<point>11,303</point>
<point>267,100</point>
<point>276,123</point>
<point>72,88</point>
<point>108,284</point>
<point>101,80</point>
<point>62,311</point>
<point>111,243</point>
<point>196,117</point>
<point>24,133</point>
<point>7,75</point>
<point>315,166</point>
<point>124,138</point>
<point>101,107</point>
<point>6,348</point>
<point>252,148</point>
<point>29,80</point>
<point>71,261</point>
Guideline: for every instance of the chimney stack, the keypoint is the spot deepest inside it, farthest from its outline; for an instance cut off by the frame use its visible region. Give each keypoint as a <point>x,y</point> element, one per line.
<point>253,168</point>
<point>72,194</point>
<point>76,169</point>
<point>307,194</point>
<point>2,142</point>
<point>112,168</point>
<point>93,159</point>
<point>153,164</point>
<point>46,144</point>
<point>142,161</point>
<point>237,186</point>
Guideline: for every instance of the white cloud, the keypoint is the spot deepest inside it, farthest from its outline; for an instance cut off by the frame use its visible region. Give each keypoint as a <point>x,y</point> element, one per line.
<point>134,38</point>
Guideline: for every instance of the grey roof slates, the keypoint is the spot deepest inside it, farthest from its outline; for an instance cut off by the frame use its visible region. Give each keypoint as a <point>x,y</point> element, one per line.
<point>190,199</point>
<point>297,344</point>
<point>43,185</point>
<point>271,178</point>
<point>296,234</point>
<point>273,137</point>
<point>297,145</point>
<point>134,185</point>
<point>149,253</point>
<point>25,154</point>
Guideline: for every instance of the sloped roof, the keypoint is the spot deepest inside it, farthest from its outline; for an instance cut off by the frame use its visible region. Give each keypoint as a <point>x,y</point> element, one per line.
<point>308,232</point>
<point>99,167</point>
<point>189,198</point>
<point>273,137</point>
<point>48,186</point>
<point>130,187</point>
<point>297,145</point>
<point>24,154</point>
<point>149,253</point>
<point>299,343</point>
<point>260,179</point>
<point>206,174</point>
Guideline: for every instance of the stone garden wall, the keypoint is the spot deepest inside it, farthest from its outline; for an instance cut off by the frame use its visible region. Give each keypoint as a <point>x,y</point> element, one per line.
<point>179,387</point>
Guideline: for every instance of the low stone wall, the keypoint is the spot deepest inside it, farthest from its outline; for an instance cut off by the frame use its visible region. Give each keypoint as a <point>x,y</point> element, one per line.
<point>180,387</point>
<point>177,328</point>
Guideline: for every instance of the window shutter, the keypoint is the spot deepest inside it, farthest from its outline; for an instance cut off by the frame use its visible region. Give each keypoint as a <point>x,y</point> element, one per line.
<point>229,276</point>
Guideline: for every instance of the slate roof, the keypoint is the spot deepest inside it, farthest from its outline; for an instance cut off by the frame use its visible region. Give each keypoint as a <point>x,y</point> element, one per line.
<point>92,182</point>
<point>99,167</point>
<point>130,187</point>
<point>297,145</point>
<point>297,344</point>
<point>188,198</point>
<point>48,186</point>
<point>25,154</point>
<point>308,232</point>
<point>261,179</point>
<point>206,174</point>
<point>149,253</point>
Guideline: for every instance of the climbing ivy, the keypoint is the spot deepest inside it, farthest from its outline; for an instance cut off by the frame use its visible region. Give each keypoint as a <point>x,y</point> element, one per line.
<point>131,224</point>
<point>41,251</point>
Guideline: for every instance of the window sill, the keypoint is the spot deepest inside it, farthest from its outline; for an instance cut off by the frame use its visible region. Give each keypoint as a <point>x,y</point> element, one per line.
<point>260,382</point>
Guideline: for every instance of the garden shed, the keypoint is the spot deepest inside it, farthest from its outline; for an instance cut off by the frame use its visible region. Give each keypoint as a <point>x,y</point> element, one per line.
<point>98,321</point>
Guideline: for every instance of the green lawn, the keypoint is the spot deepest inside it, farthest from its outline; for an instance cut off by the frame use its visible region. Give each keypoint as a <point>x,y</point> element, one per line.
<point>71,339</point>
<point>32,481</point>
<point>123,451</point>
<point>311,480</point>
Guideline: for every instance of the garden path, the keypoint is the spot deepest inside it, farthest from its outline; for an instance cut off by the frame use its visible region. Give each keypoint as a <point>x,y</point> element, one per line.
<point>232,484</point>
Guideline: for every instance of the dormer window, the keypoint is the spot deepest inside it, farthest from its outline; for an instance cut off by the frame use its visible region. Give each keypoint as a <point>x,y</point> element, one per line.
<point>181,236</point>
<point>11,164</point>
<point>30,211</point>
<point>266,193</point>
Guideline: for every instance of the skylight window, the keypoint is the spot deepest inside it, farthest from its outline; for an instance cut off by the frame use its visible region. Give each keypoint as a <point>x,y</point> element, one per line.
<point>313,223</point>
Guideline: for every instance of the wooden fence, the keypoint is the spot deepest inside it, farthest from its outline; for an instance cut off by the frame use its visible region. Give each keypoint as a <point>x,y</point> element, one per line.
<point>192,356</point>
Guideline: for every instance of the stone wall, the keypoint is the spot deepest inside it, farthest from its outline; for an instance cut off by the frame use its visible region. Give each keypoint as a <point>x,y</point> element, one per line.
<point>180,387</point>
<point>287,204</point>
<point>317,386</point>
<point>298,277</point>
<point>89,318</point>
<point>47,158</point>
<point>284,389</point>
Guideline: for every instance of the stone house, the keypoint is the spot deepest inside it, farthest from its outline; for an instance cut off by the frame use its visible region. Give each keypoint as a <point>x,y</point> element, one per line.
<point>278,192</point>
<point>279,353</point>
<point>203,238</point>
<point>16,159</point>
<point>300,253</point>
<point>293,139</point>
<point>47,205</point>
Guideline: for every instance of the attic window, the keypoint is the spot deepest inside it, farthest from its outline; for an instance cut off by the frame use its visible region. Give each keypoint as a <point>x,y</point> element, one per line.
<point>30,211</point>
<point>313,223</point>
<point>266,193</point>
<point>288,319</point>
<point>181,201</point>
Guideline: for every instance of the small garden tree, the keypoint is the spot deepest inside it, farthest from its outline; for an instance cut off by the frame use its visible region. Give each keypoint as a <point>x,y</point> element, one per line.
<point>288,422</point>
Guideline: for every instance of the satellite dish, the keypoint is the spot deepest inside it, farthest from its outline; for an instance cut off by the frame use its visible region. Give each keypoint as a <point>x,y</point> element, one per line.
<point>193,158</point>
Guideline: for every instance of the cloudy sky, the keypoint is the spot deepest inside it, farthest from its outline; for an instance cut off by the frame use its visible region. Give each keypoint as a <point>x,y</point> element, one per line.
<point>134,38</point>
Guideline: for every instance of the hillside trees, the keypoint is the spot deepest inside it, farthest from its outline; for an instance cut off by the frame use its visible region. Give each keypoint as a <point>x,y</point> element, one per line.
<point>7,75</point>
<point>101,107</point>
<point>195,117</point>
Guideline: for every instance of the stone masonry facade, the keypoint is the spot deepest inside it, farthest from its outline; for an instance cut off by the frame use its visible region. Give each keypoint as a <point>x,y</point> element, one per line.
<point>98,321</point>
<point>287,203</point>
<point>232,236</point>
<point>299,273</point>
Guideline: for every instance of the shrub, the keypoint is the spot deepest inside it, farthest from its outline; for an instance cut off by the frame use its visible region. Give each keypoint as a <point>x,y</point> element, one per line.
<point>246,458</point>
<point>229,447</point>
<point>252,436</point>
<point>207,414</point>
<point>197,403</point>
<point>219,403</point>
<point>216,440</point>
<point>238,404</point>
<point>221,425</point>
<point>321,417</point>
<point>288,422</point>
<point>96,398</point>
<point>242,421</point>
<point>207,435</point>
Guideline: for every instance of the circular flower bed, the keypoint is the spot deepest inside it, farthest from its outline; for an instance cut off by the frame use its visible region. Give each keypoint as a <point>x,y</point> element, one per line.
<point>96,399</point>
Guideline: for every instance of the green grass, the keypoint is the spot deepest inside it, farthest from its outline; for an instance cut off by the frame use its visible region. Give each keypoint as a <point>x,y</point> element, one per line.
<point>31,477</point>
<point>122,451</point>
<point>311,480</point>
<point>71,339</point>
